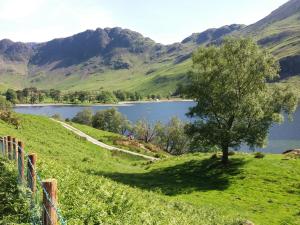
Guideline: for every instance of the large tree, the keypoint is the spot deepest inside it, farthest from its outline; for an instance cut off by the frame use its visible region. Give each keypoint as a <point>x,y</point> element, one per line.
<point>234,103</point>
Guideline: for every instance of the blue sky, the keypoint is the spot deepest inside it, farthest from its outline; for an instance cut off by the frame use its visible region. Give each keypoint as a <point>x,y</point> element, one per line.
<point>165,21</point>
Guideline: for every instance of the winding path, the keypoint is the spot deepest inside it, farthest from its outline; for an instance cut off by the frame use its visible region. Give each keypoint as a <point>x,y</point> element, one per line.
<point>101,144</point>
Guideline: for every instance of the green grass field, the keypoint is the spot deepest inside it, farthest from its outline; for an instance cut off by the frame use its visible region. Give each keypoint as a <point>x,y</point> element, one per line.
<point>101,187</point>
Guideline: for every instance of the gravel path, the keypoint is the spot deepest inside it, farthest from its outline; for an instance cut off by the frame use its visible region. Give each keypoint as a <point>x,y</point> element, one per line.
<point>101,144</point>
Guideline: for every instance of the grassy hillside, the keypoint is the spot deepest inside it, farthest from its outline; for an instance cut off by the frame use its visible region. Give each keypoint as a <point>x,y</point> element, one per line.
<point>121,141</point>
<point>86,196</point>
<point>96,185</point>
<point>12,199</point>
<point>282,37</point>
<point>253,188</point>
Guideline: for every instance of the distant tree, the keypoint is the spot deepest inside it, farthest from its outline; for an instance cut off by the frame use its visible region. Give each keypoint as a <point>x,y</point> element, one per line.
<point>138,96</point>
<point>126,126</point>
<point>106,97</point>
<point>82,96</point>
<point>11,96</point>
<point>233,102</point>
<point>120,95</point>
<point>84,117</point>
<point>72,97</point>
<point>109,120</point>
<point>20,96</point>
<point>34,98</point>
<point>41,96</point>
<point>55,95</point>
<point>26,94</point>
<point>172,138</point>
<point>145,131</point>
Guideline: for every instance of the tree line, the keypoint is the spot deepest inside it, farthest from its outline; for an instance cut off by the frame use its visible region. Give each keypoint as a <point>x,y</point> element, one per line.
<point>33,95</point>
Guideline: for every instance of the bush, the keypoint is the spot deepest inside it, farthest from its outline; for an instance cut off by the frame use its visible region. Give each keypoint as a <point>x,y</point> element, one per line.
<point>230,153</point>
<point>84,117</point>
<point>110,120</point>
<point>7,115</point>
<point>106,97</point>
<point>259,155</point>
<point>171,137</point>
<point>56,116</point>
<point>4,104</point>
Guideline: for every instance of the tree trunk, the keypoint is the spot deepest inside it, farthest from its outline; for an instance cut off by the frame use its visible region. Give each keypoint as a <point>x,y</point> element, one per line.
<point>225,150</point>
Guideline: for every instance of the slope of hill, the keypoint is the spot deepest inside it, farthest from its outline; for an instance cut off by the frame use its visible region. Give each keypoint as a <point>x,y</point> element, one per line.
<point>280,33</point>
<point>101,187</point>
<point>86,196</point>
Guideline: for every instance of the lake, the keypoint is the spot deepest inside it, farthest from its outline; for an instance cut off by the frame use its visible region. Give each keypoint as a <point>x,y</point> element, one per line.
<point>282,137</point>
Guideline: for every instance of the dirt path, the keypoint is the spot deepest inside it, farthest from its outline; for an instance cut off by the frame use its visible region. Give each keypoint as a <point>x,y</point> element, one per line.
<point>101,144</point>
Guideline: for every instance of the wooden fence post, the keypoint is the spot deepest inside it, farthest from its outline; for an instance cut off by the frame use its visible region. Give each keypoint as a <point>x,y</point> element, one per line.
<point>21,161</point>
<point>9,147</point>
<point>2,146</point>
<point>49,212</point>
<point>31,176</point>
<point>15,149</point>
<point>5,146</point>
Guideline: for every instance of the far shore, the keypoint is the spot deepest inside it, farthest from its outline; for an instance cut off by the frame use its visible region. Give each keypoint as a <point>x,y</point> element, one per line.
<point>124,103</point>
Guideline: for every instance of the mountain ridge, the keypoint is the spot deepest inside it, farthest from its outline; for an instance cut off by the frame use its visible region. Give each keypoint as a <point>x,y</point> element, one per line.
<point>117,58</point>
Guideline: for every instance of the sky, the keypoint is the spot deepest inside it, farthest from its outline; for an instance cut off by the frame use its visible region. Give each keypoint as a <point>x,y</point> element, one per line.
<point>165,21</point>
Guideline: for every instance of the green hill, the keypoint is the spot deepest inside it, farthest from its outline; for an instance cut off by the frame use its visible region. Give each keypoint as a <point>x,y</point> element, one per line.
<point>101,187</point>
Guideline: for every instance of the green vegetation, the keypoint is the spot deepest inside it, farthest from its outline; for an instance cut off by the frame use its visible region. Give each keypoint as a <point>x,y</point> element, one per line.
<point>98,186</point>
<point>291,84</point>
<point>121,141</point>
<point>86,196</point>
<point>14,204</point>
<point>170,137</point>
<point>234,103</point>
<point>281,37</point>
<point>32,95</point>
<point>111,120</point>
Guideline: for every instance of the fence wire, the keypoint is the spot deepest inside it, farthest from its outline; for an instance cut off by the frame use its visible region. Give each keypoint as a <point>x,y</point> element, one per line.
<point>36,204</point>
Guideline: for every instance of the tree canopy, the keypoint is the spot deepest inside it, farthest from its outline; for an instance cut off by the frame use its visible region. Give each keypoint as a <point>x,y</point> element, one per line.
<point>234,102</point>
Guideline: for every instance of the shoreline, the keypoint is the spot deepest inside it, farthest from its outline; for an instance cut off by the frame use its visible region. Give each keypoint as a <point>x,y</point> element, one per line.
<point>124,103</point>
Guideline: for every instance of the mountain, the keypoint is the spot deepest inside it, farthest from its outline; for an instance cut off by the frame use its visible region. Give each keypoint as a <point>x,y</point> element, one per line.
<point>116,58</point>
<point>212,34</point>
<point>280,33</point>
<point>111,58</point>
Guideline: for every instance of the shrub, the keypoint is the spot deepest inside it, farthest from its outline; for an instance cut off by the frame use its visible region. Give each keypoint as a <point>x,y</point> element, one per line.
<point>110,120</point>
<point>56,116</point>
<point>259,155</point>
<point>7,115</point>
<point>230,153</point>
<point>84,117</point>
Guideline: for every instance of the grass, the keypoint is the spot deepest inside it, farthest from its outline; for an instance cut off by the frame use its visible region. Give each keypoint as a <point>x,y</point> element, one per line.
<point>118,140</point>
<point>255,188</point>
<point>280,47</point>
<point>97,186</point>
<point>12,199</point>
<point>86,197</point>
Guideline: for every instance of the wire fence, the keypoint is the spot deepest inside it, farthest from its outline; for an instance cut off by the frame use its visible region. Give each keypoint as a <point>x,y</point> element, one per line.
<point>42,193</point>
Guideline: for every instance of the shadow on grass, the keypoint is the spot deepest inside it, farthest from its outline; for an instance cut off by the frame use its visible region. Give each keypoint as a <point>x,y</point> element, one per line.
<point>194,175</point>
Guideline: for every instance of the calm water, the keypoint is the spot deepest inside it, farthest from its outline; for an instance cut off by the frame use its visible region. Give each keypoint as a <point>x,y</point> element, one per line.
<point>282,137</point>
